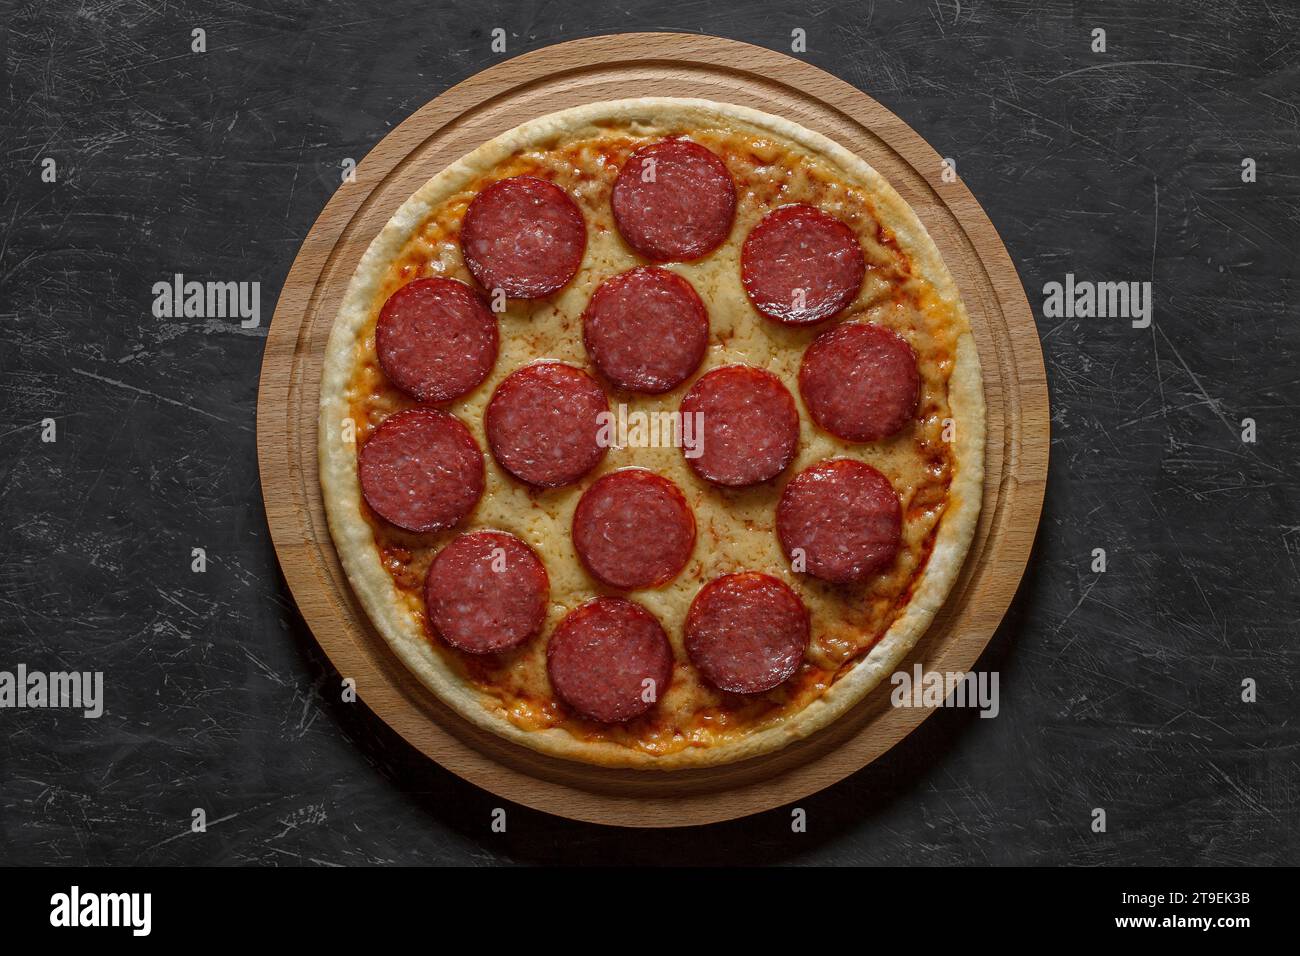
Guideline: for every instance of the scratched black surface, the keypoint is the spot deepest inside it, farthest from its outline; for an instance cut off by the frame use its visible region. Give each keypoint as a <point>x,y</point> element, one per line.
<point>1119,690</point>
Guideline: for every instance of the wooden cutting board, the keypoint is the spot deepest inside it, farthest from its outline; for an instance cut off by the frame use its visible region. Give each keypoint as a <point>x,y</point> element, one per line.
<point>606,68</point>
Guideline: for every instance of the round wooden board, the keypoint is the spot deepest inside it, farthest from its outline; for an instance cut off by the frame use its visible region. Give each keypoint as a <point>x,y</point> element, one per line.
<point>606,68</point>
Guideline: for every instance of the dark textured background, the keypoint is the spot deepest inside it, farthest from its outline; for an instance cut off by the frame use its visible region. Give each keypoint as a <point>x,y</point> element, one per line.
<point>1119,690</point>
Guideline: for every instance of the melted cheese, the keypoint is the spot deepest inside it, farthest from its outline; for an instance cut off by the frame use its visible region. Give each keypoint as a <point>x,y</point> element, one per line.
<point>735,527</point>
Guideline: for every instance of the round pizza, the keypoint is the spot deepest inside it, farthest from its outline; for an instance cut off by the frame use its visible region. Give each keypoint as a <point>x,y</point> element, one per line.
<point>651,433</point>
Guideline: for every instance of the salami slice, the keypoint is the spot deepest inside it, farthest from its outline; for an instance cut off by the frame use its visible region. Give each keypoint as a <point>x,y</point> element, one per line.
<point>633,529</point>
<point>801,266</point>
<point>542,424</point>
<point>748,424</point>
<point>486,592</point>
<point>436,340</point>
<point>524,236</point>
<point>746,633</point>
<point>843,516</point>
<point>421,470</point>
<point>674,201</point>
<point>646,330</point>
<point>860,381</point>
<point>609,660</point>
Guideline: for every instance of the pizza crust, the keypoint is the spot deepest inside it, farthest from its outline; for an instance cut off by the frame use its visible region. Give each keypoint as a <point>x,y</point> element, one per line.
<point>354,537</point>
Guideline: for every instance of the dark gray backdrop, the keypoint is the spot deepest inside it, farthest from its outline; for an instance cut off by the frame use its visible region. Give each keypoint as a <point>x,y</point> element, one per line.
<point>1119,690</point>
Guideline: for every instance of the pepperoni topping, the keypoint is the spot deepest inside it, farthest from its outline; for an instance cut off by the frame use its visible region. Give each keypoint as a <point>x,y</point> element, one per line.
<point>609,660</point>
<point>486,592</point>
<point>674,201</point>
<point>748,423</point>
<point>542,424</point>
<point>746,633</point>
<point>801,266</point>
<point>646,330</point>
<point>860,381</point>
<point>633,529</point>
<point>844,517</point>
<point>436,339</point>
<point>524,236</point>
<point>421,470</point>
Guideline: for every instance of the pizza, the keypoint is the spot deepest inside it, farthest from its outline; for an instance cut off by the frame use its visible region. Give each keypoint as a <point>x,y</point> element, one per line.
<point>651,433</point>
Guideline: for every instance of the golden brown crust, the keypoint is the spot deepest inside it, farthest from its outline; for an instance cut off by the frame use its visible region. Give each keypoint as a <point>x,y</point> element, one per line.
<point>510,508</point>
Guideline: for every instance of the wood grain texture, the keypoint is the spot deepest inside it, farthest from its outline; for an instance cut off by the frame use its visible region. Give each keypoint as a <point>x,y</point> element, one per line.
<point>590,70</point>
